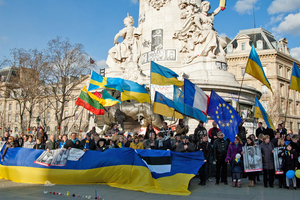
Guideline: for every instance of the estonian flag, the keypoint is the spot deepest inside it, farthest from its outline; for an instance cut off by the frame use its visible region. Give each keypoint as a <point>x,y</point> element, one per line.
<point>255,69</point>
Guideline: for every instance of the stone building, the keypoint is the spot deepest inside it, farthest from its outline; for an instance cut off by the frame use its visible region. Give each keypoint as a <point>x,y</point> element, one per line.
<point>44,114</point>
<point>277,64</point>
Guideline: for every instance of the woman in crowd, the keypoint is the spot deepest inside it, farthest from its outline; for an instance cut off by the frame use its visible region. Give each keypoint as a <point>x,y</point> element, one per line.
<point>39,144</point>
<point>136,144</point>
<point>42,135</point>
<point>149,130</point>
<point>10,144</point>
<point>63,141</point>
<point>150,143</point>
<point>29,143</point>
<point>267,150</point>
<point>233,149</point>
<point>290,162</point>
<point>251,175</point>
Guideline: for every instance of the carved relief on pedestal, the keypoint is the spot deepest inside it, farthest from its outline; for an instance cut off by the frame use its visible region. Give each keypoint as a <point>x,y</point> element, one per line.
<point>199,38</point>
<point>157,4</point>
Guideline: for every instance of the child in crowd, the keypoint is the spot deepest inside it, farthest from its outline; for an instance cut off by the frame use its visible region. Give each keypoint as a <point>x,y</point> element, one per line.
<point>290,162</point>
<point>281,177</point>
<point>237,169</point>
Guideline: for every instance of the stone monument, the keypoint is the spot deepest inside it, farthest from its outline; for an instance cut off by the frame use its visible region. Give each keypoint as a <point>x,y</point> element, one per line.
<point>177,34</point>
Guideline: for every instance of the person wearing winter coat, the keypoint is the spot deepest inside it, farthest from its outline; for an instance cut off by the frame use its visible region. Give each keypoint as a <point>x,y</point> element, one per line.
<point>185,145</point>
<point>289,162</point>
<point>220,147</point>
<point>87,143</point>
<point>233,149</point>
<point>136,144</point>
<point>163,142</point>
<point>237,169</point>
<point>39,144</point>
<point>206,149</point>
<point>199,132</point>
<point>267,150</point>
<point>9,144</point>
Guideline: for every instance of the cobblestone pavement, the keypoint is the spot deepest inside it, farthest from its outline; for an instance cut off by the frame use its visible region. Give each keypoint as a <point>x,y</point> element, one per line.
<point>11,190</point>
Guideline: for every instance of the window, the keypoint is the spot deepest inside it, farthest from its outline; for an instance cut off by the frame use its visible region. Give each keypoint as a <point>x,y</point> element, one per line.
<point>17,106</point>
<point>9,117</point>
<point>265,70</point>
<point>290,109</point>
<point>9,107</point>
<point>298,126</point>
<point>16,129</point>
<point>297,109</point>
<point>17,118</point>
<point>264,89</point>
<point>66,130</point>
<point>288,73</point>
<point>280,70</point>
<point>282,92</point>
<point>259,44</point>
<point>66,104</point>
<point>243,46</point>
<point>76,114</point>
<point>265,104</point>
<point>48,116</point>
<point>291,125</point>
<point>48,129</point>
<point>229,48</point>
<point>243,71</point>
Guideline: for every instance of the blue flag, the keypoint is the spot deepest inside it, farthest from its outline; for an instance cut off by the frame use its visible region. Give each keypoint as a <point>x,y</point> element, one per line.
<point>224,115</point>
<point>185,109</point>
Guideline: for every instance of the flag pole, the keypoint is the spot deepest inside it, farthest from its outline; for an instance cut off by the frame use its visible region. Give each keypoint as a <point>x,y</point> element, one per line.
<point>287,103</point>
<point>238,101</point>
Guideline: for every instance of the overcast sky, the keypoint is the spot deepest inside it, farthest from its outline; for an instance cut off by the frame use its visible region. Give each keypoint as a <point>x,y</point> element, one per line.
<point>31,24</point>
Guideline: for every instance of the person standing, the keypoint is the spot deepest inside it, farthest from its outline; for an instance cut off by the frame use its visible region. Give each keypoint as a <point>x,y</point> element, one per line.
<point>237,169</point>
<point>267,150</point>
<point>281,131</point>
<point>167,131</point>
<point>242,133</point>
<point>275,139</point>
<point>181,128</point>
<point>220,151</point>
<point>233,149</point>
<point>51,144</point>
<point>185,145</point>
<point>251,175</point>
<point>290,162</point>
<point>87,143</point>
<point>205,147</point>
<point>260,129</point>
<point>213,132</point>
<point>200,132</point>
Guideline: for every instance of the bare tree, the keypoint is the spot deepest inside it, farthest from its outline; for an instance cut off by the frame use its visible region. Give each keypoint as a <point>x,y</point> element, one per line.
<point>66,62</point>
<point>25,83</point>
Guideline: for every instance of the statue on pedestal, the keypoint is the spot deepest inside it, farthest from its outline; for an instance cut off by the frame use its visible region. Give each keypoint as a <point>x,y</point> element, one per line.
<point>198,35</point>
<point>126,51</point>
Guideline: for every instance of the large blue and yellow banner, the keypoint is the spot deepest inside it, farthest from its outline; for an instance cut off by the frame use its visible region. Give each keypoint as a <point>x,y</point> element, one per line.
<point>122,168</point>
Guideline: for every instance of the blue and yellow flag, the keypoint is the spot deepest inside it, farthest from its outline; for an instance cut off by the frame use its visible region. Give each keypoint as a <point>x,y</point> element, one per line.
<point>109,100</point>
<point>255,69</point>
<point>98,81</point>
<point>224,115</point>
<point>185,109</point>
<point>164,106</point>
<point>163,76</point>
<point>135,91</point>
<point>295,79</point>
<point>261,113</point>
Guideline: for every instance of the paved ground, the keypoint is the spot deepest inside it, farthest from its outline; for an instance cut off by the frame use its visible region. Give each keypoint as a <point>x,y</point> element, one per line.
<point>11,190</point>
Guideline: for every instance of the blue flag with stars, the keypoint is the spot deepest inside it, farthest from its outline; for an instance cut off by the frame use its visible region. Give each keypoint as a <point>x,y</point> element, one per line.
<point>224,115</point>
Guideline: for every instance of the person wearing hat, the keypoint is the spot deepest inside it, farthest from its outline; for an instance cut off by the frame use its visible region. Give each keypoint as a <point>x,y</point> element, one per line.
<point>199,132</point>
<point>185,145</point>
<point>102,145</point>
<point>87,143</point>
<point>237,168</point>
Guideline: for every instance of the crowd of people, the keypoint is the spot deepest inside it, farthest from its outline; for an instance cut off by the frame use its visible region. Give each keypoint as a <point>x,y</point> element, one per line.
<point>216,148</point>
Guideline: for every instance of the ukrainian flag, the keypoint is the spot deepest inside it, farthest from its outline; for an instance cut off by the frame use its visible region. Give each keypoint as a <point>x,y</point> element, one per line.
<point>98,81</point>
<point>260,112</point>
<point>295,79</point>
<point>164,106</point>
<point>133,90</point>
<point>120,167</point>
<point>163,76</point>
<point>255,69</point>
<point>109,100</point>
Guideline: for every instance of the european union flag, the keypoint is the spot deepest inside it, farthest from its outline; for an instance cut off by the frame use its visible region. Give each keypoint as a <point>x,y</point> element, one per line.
<point>224,115</point>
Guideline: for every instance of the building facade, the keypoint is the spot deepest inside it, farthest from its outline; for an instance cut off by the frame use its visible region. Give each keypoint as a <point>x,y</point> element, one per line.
<point>277,64</point>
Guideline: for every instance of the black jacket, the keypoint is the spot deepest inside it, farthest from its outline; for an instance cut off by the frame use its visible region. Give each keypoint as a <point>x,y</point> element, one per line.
<point>7,146</point>
<point>290,160</point>
<point>275,142</point>
<point>39,146</point>
<point>220,149</point>
<point>206,149</point>
<point>71,144</point>
<point>91,144</point>
<point>296,147</point>
<point>166,145</point>
<point>259,131</point>
<point>199,133</point>
<point>190,148</point>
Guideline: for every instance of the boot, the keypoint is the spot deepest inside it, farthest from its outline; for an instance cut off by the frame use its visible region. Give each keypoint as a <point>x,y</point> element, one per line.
<point>239,184</point>
<point>234,183</point>
<point>250,183</point>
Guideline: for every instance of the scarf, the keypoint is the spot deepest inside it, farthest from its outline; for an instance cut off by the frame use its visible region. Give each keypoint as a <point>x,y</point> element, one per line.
<point>74,141</point>
<point>161,142</point>
<point>61,144</point>
<point>237,160</point>
<point>87,144</point>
